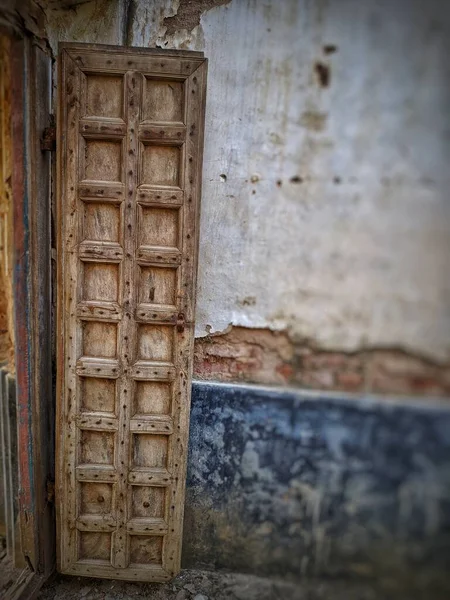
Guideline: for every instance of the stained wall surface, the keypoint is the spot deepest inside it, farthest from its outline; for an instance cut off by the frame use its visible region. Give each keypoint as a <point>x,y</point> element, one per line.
<point>301,485</point>
<point>325,210</point>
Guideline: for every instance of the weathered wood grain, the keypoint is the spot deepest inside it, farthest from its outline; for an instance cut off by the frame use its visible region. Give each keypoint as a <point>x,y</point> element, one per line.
<point>30,88</point>
<point>129,180</point>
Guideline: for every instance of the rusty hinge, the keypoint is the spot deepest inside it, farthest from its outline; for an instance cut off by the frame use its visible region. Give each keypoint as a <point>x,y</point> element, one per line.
<point>48,138</point>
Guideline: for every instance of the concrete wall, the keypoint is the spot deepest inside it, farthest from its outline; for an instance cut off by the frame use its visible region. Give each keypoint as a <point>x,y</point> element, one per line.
<point>325,208</point>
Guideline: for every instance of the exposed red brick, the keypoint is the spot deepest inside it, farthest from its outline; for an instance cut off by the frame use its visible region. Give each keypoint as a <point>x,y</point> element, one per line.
<point>252,355</point>
<point>286,371</point>
<point>350,380</point>
<point>268,357</point>
<point>329,370</point>
<point>399,373</point>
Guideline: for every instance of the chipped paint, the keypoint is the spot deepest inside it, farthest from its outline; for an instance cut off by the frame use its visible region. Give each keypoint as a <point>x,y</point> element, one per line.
<point>188,13</point>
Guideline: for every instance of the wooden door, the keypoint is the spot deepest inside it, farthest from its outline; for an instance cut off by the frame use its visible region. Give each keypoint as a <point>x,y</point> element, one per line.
<point>130,136</point>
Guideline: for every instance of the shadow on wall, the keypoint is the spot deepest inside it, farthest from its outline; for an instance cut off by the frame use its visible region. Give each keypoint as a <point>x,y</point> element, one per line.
<point>298,485</point>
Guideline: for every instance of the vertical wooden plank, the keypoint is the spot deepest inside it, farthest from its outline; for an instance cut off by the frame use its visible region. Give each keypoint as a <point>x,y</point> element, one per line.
<point>3,476</point>
<point>195,117</point>
<point>23,326</point>
<point>6,203</point>
<point>69,102</point>
<point>7,335</point>
<point>133,91</point>
<point>8,450</point>
<point>33,541</point>
<point>41,268</point>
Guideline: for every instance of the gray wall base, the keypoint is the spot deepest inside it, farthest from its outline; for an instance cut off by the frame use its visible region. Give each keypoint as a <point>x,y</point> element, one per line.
<point>297,485</point>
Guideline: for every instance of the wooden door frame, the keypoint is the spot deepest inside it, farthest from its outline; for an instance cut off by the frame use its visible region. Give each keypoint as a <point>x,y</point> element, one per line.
<point>30,69</point>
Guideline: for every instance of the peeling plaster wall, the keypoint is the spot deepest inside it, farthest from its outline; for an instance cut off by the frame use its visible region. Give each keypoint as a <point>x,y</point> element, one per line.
<point>325,209</point>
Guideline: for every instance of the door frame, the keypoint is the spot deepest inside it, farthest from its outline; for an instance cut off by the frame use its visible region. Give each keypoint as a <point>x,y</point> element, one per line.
<point>31,182</point>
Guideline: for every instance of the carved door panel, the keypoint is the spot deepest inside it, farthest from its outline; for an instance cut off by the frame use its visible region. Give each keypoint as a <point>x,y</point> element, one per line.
<point>130,133</point>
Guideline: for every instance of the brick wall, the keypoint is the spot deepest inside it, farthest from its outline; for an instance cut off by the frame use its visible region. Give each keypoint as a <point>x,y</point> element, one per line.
<point>266,357</point>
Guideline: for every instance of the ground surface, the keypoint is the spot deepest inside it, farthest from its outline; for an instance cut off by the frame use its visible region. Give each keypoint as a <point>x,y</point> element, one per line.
<point>202,585</point>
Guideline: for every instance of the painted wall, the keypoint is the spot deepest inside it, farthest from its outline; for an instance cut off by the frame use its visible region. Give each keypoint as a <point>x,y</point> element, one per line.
<point>299,485</point>
<point>325,206</point>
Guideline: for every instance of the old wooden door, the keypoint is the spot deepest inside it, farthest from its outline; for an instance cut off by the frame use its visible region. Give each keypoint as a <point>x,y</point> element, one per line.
<point>130,135</point>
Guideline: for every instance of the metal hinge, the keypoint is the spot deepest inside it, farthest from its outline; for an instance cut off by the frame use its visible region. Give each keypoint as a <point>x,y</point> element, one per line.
<point>48,139</point>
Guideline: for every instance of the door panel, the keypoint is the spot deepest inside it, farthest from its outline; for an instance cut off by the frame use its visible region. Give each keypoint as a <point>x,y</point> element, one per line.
<point>131,129</point>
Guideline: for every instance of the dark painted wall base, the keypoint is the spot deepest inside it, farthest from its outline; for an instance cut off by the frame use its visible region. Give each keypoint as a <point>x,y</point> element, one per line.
<point>297,484</point>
